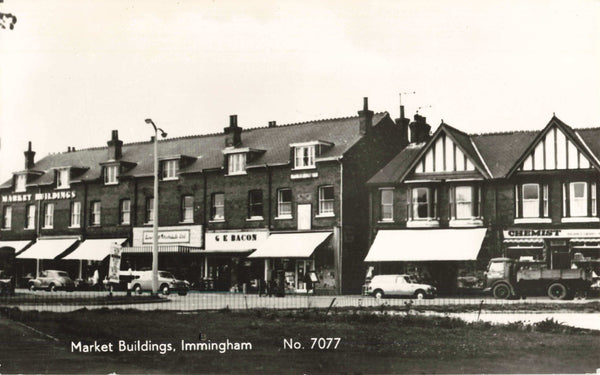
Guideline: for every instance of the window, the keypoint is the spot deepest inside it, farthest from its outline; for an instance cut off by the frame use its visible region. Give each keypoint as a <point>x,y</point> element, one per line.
<point>532,201</point>
<point>187,209</point>
<point>326,200</point>
<point>284,203</point>
<point>49,215</point>
<point>21,181</point>
<point>304,157</point>
<point>255,204</point>
<point>62,178</point>
<point>149,210</point>
<point>217,206</point>
<point>579,199</point>
<point>7,217</point>
<point>170,169</point>
<point>423,203</point>
<point>30,219</point>
<point>111,174</point>
<point>236,164</point>
<point>75,214</point>
<point>95,213</point>
<point>465,202</point>
<point>125,212</point>
<point>387,204</point>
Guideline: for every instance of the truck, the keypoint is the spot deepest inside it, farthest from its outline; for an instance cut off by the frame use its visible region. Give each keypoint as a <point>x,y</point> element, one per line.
<point>509,278</point>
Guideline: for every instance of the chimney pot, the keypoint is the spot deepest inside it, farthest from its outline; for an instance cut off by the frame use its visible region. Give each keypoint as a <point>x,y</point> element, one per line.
<point>115,146</point>
<point>233,121</point>
<point>365,117</point>
<point>29,157</point>
<point>233,133</point>
<point>272,124</point>
<point>419,130</point>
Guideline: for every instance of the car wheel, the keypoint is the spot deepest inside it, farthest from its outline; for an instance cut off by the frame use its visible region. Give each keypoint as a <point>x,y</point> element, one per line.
<point>419,294</point>
<point>501,291</point>
<point>52,288</point>
<point>164,289</point>
<point>137,288</point>
<point>32,287</point>
<point>557,291</point>
<point>378,294</point>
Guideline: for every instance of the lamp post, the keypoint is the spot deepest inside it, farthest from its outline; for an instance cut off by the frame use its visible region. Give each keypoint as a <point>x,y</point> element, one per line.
<point>155,209</point>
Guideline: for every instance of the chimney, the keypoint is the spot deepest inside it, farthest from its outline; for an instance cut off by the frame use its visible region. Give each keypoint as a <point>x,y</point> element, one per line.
<point>402,123</point>
<point>272,124</point>
<point>365,117</point>
<point>29,157</point>
<point>115,146</point>
<point>233,133</point>
<point>419,130</point>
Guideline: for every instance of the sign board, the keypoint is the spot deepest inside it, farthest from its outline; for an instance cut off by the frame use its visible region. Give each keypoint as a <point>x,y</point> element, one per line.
<point>167,236</point>
<point>55,195</point>
<point>552,233</point>
<point>115,263</point>
<point>190,235</point>
<point>235,240</point>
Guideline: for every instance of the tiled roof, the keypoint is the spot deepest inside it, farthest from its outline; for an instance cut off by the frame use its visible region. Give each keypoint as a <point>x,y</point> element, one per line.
<point>208,149</point>
<point>397,167</point>
<point>501,150</point>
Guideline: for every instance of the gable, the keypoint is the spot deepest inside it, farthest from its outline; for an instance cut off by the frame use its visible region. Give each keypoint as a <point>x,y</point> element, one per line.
<point>555,151</point>
<point>443,156</point>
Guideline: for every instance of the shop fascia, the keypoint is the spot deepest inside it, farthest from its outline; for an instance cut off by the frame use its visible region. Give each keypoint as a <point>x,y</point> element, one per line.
<point>55,195</point>
<point>551,233</point>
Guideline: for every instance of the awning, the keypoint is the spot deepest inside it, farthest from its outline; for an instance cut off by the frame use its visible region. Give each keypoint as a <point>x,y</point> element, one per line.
<point>162,249</point>
<point>94,249</point>
<point>17,245</point>
<point>290,245</point>
<point>47,248</point>
<point>414,245</point>
<point>536,241</point>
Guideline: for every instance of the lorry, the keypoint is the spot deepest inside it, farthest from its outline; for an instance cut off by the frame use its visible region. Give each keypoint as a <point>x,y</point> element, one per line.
<point>509,278</point>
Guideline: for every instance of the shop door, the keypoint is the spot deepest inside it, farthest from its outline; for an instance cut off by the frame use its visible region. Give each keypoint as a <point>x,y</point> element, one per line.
<point>559,252</point>
<point>304,216</point>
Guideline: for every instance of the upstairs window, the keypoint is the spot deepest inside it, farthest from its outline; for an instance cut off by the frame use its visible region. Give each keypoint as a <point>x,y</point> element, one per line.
<point>284,203</point>
<point>170,168</point>
<point>30,218</point>
<point>149,210</point>
<point>187,209</point>
<point>49,215</point>
<point>236,164</point>
<point>531,201</point>
<point>95,213</point>
<point>255,204</point>
<point>217,207</point>
<point>422,204</point>
<point>580,199</point>
<point>62,178</point>
<point>304,157</point>
<point>7,217</point>
<point>75,214</point>
<point>20,183</point>
<point>326,198</point>
<point>111,174</point>
<point>465,202</point>
<point>387,204</point>
<point>125,212</point>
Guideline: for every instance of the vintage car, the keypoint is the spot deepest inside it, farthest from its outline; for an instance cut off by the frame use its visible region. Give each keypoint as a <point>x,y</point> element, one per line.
<point>52,280</point>
<point>167,283</point>
<point>399,285</point>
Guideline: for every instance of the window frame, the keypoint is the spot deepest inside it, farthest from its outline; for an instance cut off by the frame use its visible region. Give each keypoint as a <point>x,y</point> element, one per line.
<point>432,202</point>
<point>30,216</point>
<point>7,217</point>
<point>254,204</point>
<point>590,198</point>
<point>214,208</point>
<point>302,161</point>
<point>383,205</point>
<point>238,160</point>
<point>474,202</point>
<point>169,169</point>
<point>111,174</point>
<point>75,214</point>
<point>20,183</point>
<point>48,215</point>
<point>542,202</point>
<point>187,210</point>
<point>95,213</point>
<point>149,210</point>
<point>63,178</point>
<point>323,212</point>
<point>281,203</point>
<point>124,213</point>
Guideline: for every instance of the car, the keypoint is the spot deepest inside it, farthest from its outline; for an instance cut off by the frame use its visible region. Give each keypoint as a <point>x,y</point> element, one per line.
<point>399,285</point>
<point>52,280</point>
<point>167,283</point>
<point>7,286</point>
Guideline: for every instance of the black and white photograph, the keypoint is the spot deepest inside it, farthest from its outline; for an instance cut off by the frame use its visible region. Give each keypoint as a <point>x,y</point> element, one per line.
<point>299,187</point>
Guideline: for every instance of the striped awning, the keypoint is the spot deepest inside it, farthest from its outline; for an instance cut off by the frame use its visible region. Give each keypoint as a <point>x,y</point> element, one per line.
<point>162,249</point>
<point>537,241</point>
<point>585,240</point>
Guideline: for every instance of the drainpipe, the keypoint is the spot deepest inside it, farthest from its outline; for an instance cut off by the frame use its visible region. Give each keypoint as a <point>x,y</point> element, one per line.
<point>340,239</point>
<point>205,211</point>
<point>270,192</point>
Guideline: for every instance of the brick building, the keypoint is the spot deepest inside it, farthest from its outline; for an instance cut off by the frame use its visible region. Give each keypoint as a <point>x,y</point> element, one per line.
<point>234,207</point>
<point>450,201</point>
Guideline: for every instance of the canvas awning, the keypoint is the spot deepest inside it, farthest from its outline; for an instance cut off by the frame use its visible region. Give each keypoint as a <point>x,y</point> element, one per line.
<point>290,245</point>
<point>414,245</point>
<point>17,245</point>
<point>47,248</point>
<point>94,249</point>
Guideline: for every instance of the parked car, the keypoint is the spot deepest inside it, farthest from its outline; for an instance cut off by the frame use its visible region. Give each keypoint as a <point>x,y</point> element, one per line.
<point>7,285</point>
<point>52,280</point>
<point>167,283</point>
<point>399,285</point>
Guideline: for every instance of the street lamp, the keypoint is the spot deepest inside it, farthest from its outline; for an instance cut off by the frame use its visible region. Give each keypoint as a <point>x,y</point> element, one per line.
<point>155,209</point>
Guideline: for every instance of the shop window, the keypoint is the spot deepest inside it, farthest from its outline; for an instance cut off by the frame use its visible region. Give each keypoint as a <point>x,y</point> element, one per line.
<point>111,174</point>
<point>465,202</point>
<point>62,178</point>
<point>30,219</point>
<point>387,204</point>
<point>284,203</point>
<point>149,210</point>
<point>20,183</point>
<point>7,217</point>
<point>187,209</point>
<point>75,214</point>
<point>217,206</point>
<point>95,213</point>
<point>48,215</point>
<point>579,199</point>
<point>326,199</point>
<point>170,168</point>
<point>125,212</point>
<point>423,203</point>
<point>304,157</point>
<point>236,164</point>
<point>255,204</point>
<point>532,201</point>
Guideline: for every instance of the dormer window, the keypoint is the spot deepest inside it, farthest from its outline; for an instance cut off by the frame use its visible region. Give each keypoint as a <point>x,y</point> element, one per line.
<point>62,178</point>
<point>236,163</point>
<point>111,174</point>
<point>304,157</point>
<point>20,183</point>
<point>170,169</point>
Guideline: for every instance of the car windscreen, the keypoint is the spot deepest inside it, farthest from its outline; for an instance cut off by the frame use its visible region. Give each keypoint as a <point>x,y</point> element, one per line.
<point>166,275</point>
<point>62,274</point>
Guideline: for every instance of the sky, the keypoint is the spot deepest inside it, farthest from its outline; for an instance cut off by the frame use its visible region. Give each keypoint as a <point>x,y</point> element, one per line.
<point>73,70</point>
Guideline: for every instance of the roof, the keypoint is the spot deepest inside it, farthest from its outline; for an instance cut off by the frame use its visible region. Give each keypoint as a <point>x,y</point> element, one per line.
<point>500,152</point>
<point>206,151</point>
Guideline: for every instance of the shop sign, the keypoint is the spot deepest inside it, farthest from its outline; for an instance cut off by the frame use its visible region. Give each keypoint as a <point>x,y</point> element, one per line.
<point>175,235</point>
<point>55,195</point>
<point>115,264</point>
<point>235,240</point>
<point>167,236</point>
<point>551,233</point>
